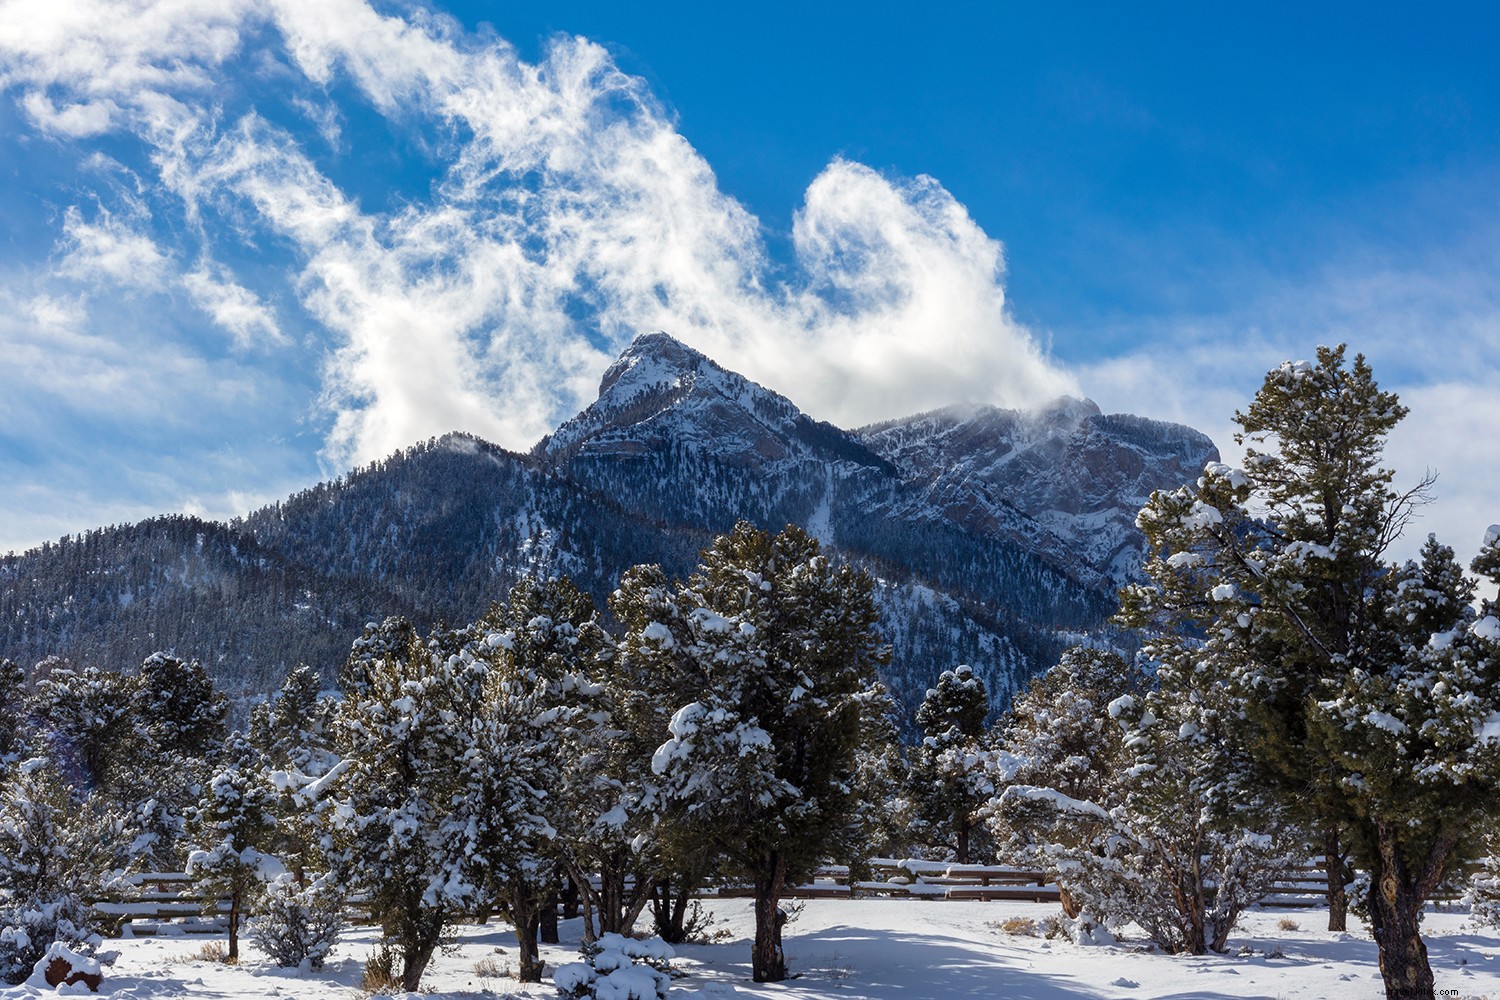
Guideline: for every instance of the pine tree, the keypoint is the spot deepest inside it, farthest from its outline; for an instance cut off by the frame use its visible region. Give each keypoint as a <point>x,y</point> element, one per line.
<point>291,728</point>
<point>1359,689</point>
<point>546,638</point>
<point>392,803</point>
<point>88,722</point>
<point>14,732</point>
<point>55,851</point>
<point>950,781</point>
<point>1059,734</point>
<point>178,710</point>
<point>1137,808</point>
<point>762,763</point>
<point>234,825</point>
<point>644,691</point>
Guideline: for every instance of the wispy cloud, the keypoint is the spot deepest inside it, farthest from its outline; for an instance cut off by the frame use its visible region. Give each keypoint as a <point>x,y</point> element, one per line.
<point>569,216</point>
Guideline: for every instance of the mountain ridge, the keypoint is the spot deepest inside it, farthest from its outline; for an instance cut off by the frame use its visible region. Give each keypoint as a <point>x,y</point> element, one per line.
<point>997,537</point>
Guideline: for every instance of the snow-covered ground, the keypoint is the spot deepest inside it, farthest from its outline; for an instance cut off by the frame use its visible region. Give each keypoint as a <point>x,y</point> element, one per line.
<point>875,948</point>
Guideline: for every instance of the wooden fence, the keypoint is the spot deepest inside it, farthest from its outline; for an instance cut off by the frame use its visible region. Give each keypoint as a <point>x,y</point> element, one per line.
<point>167,902</point>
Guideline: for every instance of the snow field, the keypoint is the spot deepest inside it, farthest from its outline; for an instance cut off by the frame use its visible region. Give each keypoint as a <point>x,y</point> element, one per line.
<point>880,949</point>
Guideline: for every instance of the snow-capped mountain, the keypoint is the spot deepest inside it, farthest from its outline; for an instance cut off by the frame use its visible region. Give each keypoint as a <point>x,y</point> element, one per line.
<point>996,536</point>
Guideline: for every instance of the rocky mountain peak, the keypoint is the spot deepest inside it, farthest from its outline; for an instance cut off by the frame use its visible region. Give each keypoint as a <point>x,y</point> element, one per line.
<point>662,393</point>
<point>651,361</point>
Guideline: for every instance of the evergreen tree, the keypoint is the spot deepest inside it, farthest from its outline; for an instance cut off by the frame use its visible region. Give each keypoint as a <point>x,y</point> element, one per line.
<point>546,639</point>
<point>14,732</point>
<point>1359,689</point>
<point>55,852</point>
<point>178,711</point>
<point>1169,836</point>
<point>643,688</point>
<point>234,823</point>
<point>498,821</point>
<point>950,781</point>
<point>391,804</point>
<point>291,728</point>
<point>1059,734</point>
<point>88,722</point>
<point>762,763</point>
<point>883,814</point>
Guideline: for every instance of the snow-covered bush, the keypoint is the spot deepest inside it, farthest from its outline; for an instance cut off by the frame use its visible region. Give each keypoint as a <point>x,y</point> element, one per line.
<point>296,924</point>
<point>29,927</point>
<point>1169,836</point>
<point>49,855</point>
<point>617,968</point>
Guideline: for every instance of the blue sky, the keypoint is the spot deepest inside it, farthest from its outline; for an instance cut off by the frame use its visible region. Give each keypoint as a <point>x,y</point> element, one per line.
<point>245,244</point>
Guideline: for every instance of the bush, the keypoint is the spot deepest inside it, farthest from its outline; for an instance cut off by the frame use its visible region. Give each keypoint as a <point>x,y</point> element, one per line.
<point>380,971</point>
<point>617,968</point>
<point>297,924</point>
<point>29,927</point>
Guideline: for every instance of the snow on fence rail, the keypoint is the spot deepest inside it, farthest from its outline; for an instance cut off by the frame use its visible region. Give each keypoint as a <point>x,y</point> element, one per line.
<point>168,903</point>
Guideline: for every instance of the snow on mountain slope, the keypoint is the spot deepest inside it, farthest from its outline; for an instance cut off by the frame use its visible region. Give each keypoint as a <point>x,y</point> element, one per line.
<point>998,537</point>
<point>1077,473</point>
<point>661,391</point>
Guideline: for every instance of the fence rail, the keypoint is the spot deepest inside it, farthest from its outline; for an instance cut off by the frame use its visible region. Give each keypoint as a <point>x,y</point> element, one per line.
<point>168,903</point>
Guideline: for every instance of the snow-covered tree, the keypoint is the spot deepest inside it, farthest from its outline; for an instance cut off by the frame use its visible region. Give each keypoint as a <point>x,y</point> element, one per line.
<point>1059,734</point>
<point>643,690</point>
<point>290,733</point>
<point>87,719</point>
<point>762,760</point>
<point>96,728</point>
<point>14,731</point>
<point>177,709</point>
<point>1360,689</point>
<point>1167,837</point>
<point>882,818</point>
<point>234,825</point>
<point>291,728</point>
<point>53,854</point>
<point>545,654</point>
<point>393,803</point>
<point>950,781</point>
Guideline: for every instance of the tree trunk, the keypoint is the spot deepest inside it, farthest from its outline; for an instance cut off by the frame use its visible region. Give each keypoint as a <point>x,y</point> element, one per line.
<point>586,897</point>
<point>1334,855</point>
<point>767,961</point>
<point>1396,900</point>
<point>418,932</point>
<point>548,926</point>
<point>961,851</point>
<point>637,902</point>
<point>526,915</point>
<point>669,910</point>
<point>234,928</point>
<point>569,898</point>
<point>1070,906</point>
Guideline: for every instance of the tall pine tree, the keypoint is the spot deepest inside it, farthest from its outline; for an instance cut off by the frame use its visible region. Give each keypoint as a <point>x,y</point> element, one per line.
<point>1360,688</point>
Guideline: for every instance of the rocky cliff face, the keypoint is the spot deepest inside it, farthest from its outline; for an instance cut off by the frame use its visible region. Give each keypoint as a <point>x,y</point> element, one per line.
<point>996,536</point>
<point>1066,478</point>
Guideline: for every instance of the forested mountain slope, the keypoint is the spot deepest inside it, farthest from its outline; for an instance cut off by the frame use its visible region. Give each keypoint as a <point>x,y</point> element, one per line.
<point>996,535</point>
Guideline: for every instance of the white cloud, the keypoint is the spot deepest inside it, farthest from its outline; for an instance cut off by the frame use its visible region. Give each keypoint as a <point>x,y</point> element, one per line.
<point>1430,329</point>
<point>571,217</point>
<point>87,66</point>
<point>231,305</point>
<point>111,249</point>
